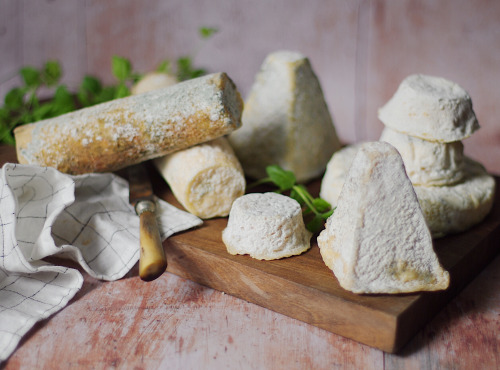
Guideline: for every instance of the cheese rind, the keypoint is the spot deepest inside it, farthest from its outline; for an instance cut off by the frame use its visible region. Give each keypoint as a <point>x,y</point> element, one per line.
<point>123,132</point>
<point>430,108</point>
<point>266,226</point>
<point>377,240</point>
<point>428,163</point>
<point>205,178</point>
<point>286,120</point>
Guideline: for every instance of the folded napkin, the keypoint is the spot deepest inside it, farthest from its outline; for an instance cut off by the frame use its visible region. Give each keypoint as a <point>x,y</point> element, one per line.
<point>85,218</point>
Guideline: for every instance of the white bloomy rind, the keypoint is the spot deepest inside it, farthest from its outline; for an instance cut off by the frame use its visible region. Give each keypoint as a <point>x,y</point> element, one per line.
<point>266,226</point>
<point>377,240</point>
<point>430,108</point>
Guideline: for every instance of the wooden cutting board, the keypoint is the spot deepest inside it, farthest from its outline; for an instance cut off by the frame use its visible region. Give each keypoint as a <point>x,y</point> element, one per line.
<point>302,287</point>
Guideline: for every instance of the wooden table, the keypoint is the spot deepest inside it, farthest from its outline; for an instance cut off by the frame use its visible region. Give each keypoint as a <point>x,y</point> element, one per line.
<point>175,323</point>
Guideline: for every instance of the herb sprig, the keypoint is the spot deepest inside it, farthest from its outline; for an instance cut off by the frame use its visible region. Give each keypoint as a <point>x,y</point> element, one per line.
<point>317,208</point>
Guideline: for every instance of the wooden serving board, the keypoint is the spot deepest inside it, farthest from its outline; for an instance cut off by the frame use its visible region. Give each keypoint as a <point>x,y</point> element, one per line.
<point>302,287</point>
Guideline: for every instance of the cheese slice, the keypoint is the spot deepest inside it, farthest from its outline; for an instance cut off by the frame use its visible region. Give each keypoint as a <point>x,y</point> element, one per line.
<point>430,108</point>
<point>285,120</point>
<point>428,163</point>
<point>377,240</point>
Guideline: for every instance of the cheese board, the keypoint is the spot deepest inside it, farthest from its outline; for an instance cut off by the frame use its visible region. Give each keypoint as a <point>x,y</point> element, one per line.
<point>303,288</point>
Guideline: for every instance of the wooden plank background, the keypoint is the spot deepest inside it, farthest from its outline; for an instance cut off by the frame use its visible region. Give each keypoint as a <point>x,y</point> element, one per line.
<point>360,50</point>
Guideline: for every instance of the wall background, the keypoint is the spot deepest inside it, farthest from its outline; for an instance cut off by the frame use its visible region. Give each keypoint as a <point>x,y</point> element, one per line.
<point>360,49</point>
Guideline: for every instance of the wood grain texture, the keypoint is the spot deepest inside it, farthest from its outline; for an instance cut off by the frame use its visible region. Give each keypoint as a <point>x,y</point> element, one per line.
<point>302,287</point>
<point>179,324</point>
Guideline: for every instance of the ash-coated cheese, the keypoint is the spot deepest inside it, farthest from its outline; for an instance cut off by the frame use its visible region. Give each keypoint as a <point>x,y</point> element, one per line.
<point>205,178</point>
<point>428,163</point>
<point>377,240</point>
<point>266,226</point>
<point>430,108</point>
<point>285,120</point>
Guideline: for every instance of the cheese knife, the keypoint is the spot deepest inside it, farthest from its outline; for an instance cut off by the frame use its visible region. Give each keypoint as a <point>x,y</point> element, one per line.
<point>152,260</point>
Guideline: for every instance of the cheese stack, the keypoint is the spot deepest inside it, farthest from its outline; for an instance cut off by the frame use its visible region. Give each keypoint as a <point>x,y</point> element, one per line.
<point>426,121</point>
<point>285,120</point>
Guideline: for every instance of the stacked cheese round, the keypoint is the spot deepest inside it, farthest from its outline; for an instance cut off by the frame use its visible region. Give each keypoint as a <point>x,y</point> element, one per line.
<point>426,121</point>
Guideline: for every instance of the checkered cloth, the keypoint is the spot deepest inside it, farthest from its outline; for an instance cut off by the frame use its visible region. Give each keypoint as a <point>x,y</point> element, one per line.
<point>85,218</point>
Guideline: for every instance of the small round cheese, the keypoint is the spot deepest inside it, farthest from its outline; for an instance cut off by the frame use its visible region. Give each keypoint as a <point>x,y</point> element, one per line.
<point>431,108</point>
<point>428,163</point>
<point>266,226</point>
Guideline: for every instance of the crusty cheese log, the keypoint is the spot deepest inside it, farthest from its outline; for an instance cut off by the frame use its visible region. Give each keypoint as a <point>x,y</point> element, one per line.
<point>205,178</point>
<point>126,131</point>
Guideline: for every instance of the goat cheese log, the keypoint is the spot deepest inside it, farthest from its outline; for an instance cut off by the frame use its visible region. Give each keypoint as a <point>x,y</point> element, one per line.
<point>126,131</point>
<point>205,178</point>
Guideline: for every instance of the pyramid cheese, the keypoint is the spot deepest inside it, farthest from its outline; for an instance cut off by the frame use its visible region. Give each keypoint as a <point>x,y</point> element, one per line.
<point>377,240</point>
<point>285,120</point>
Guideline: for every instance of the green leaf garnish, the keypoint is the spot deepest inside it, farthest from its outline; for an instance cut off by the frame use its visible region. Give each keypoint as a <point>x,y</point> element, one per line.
<point>286,181</point>
<point>121,68</point>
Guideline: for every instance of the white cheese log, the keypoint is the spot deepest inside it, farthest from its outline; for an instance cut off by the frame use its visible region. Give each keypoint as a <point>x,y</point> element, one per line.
<point>205,178</point>
<point>126,131</point>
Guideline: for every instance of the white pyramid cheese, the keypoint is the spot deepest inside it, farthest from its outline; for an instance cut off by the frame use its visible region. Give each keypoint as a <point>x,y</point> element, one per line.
<point>428,163</point>
<point>430,108</point>
<point>266,226</point>
<point>285,120</point>
<point>205,178</point>
<point>377,240</point>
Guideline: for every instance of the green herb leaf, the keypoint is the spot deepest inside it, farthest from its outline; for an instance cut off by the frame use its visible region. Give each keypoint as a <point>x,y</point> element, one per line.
<point>164,66</point>
<point>14,99</point>
<point>207,32</point>
<point>315,224</point>
<point>284,180</point>
<point>30,76</point>
<point>121,91</point>
<point>121,68</point>
<point>63,101</point>
<point>321,205</point>
<point>52,73</point>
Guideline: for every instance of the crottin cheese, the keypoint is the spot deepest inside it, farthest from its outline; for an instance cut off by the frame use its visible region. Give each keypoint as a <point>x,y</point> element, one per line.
<point>428,163</point>
<point>126,131</point>
<point>205,178</point>
<point>430,108</point>
<point>377,240</point>
<point>286,120</point>
<point>266,226</point>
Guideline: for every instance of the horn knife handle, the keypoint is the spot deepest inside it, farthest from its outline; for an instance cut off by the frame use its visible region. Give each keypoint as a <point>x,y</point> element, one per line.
<point>152,262</point>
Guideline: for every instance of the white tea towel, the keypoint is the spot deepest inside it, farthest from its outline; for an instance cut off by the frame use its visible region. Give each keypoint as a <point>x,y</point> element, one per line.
<point>86,218</point>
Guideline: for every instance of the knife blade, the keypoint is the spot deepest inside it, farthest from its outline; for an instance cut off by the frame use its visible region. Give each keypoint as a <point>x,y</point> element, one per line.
<point>152,260</point>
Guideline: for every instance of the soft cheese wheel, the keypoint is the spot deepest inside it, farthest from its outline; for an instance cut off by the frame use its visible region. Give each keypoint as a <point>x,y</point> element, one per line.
<point>430,108</point>
<point>266,226</point>
<point>428,163</point>
<point>336,173</point>
<point>451,209</point>
<point>285,120</point>
<point>205,178</point>
<point>123,132</point>
<point>377,240</point>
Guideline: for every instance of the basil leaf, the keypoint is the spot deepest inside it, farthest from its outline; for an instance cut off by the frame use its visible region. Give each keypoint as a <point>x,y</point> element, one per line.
<point>321,205</point>
<point>14,99</point>
<point>52,72</point>
<point>206,32</point>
